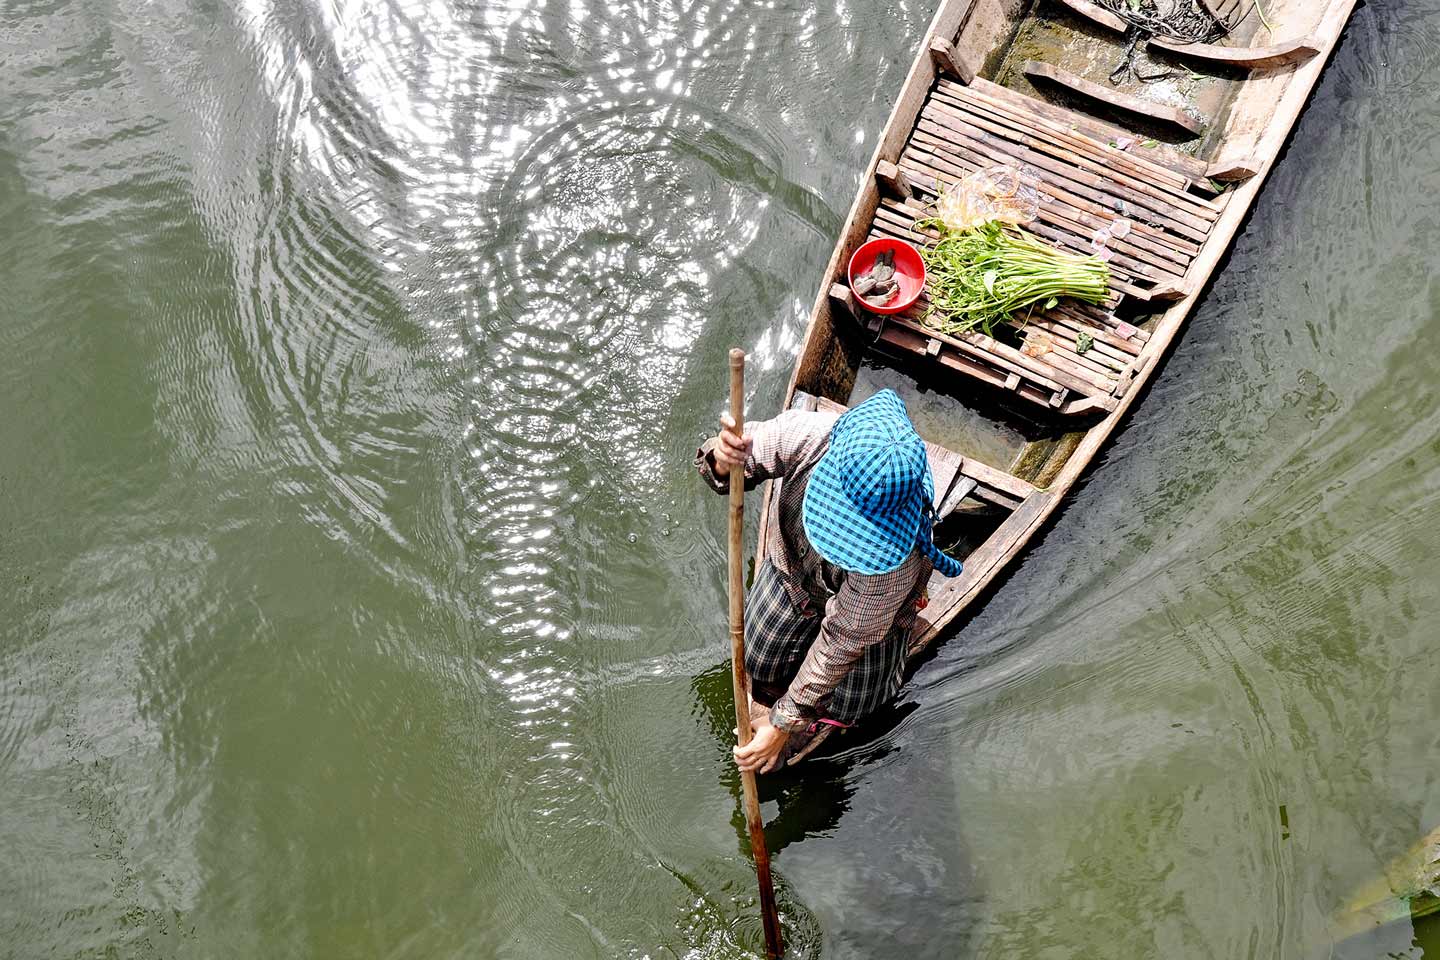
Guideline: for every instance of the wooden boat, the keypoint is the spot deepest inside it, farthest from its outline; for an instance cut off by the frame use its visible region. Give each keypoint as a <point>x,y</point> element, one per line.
<point>1404,893</point>
<point>1185,176</point>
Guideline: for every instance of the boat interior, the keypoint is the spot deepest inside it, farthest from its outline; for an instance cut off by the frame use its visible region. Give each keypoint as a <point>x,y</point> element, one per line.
<point>1116,127</point>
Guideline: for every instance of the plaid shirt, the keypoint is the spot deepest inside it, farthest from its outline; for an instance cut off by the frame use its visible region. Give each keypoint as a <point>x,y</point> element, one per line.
<point>860,609</point>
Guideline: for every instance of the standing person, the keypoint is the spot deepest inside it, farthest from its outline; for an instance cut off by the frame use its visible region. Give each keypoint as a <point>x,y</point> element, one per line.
<point>847,559</point>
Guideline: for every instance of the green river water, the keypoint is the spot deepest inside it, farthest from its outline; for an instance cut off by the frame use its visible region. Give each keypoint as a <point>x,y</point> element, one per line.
<point>357,598</point>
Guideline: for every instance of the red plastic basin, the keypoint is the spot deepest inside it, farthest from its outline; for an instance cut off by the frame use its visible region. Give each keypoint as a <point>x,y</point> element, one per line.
<point>909,273</point>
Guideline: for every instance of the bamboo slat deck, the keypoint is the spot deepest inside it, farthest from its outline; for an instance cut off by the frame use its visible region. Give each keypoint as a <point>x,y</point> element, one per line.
<point>1087,185</point>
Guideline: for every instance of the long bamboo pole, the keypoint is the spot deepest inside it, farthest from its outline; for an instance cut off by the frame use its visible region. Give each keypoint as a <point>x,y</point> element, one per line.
<point>773,946</point>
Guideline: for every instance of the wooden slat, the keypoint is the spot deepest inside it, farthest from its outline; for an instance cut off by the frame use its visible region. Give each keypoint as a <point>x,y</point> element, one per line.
<point>1007,357</point>
<point>1156,240</point>
<point>1100,375</point>
<point>1079,238</point>
<point>1089,216</point>
<point>949,62</point>
<point>1252,58</point>
<point>1110,355</point>
<point>891,179</point>
<point>1137,167</point>
<point>1097,15</point>
<point>997,479</point>
<point>904,340</point>
<point>1167,158</point>
<point>1167,251</point>
<point>962,489</point>
<point>944,465</point>
<point>1089,314</point>
<point>1125,102</point>
<point>1264,117</point>
<point>974,154</point>
<point>1277,129</point>
<point>818,344</point>
<point>1098,174</point>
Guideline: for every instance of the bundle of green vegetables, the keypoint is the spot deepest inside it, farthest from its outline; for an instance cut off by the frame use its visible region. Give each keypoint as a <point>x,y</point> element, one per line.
<point>983,275</point>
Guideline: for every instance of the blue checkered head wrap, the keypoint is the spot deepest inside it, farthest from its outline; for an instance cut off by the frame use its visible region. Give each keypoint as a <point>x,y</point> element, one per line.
<point>869,500</point>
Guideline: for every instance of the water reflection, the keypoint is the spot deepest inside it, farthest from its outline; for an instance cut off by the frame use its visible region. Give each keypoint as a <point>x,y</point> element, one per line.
<point>356,586</point>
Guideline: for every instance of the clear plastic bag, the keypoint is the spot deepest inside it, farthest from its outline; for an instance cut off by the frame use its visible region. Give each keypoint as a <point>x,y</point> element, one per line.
<point>1008,192</point>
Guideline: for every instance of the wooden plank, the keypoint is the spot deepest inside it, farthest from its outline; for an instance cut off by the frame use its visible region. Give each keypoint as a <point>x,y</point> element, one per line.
<point>1123,261</point>
<point>1103,173</point>
<point>944,465</point>
<point>962,489</point>
<point>902,339</point>
<point>1273,101</point>
<point>991,495</point>
<point>1252,58</point>
<point>948,62</point>
<point>949,133</point>
<point>1007,357</point>
<point>892,179</point>
<point>1115,359</point>
<point>998,479</point>
<point>997,363</point>
<point>1170,291</point>
<point>1101,367</point>
<point>1097,15</point>
<point>1088,314</point>
<point>1061,355</point>
<point>1235,165</point>
<point>1168,252</point>
<point>1136,259</point>
<point>1105,339</point>
<point>1164,156</point>
<point>891,224</point>
<point>1124,102</point>
<point>1098,358</point>
<point>1277,131</point>
<point>1155,239</point>
<point>1140,167</point>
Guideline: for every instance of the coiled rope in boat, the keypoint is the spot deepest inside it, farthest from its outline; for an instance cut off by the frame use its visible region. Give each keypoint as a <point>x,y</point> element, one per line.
<point>1184,21</point>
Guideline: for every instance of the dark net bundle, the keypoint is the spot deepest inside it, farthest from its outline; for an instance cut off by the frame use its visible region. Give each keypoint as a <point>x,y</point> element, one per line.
<point>1184,21</point>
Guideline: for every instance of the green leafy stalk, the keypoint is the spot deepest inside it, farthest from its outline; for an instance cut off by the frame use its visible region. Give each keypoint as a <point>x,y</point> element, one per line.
<point>985,275</point>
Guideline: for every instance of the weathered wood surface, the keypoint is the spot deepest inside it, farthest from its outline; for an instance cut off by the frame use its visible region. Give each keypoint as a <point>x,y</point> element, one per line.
<point>1162,157</point>
<point>1241,154</point>
<point>949,61</point>
<point>1110,97</point>
<point>1097,15</point>
<point>892,179</point>
<point>1252,58</point>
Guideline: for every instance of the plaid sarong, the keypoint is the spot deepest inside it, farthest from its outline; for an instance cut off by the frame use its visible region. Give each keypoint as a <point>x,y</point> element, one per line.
<point>778,635</point>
